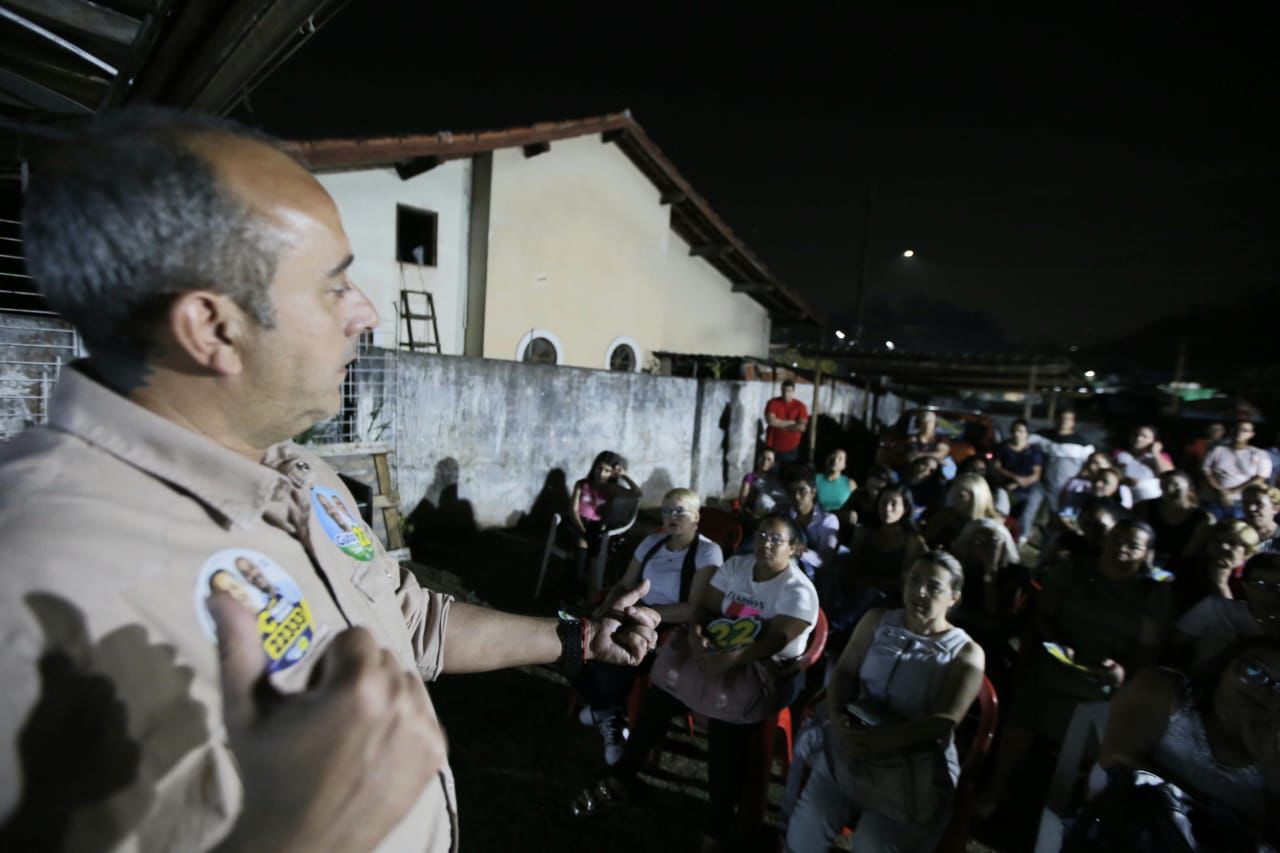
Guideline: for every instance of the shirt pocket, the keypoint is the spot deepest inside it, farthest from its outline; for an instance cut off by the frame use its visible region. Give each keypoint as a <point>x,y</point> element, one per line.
<point>377,580</point>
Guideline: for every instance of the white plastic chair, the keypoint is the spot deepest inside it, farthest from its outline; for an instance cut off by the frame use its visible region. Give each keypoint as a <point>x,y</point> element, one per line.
<point>1080,748</point>
<point>595,577</point>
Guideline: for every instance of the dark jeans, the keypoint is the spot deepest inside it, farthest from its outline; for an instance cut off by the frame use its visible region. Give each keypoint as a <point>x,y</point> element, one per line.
<point>605,686</point>
<point>574,585</point>
<point>729,746</point>
<point>782,458</point>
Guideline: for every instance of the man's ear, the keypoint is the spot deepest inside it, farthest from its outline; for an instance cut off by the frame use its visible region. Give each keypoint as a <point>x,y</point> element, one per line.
<point>209,327</point>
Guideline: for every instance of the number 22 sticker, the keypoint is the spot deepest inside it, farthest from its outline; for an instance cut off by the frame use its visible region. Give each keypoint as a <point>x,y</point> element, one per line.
<point>733,633</point>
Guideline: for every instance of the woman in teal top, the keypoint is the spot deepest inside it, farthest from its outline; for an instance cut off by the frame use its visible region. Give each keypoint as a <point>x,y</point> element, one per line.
<point>834,487</point>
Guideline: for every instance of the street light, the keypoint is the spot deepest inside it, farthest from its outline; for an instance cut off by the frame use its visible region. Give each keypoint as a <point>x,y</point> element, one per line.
<point>1089,374</point>
<point>839,334</point>
<point>888,345</point>
<point>909,253</point>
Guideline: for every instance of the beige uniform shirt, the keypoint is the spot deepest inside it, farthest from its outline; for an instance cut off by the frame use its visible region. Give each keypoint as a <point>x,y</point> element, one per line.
<point>114,525</point>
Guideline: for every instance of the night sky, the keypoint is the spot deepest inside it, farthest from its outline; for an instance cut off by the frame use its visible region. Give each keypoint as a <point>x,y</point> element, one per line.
<point>1062,180</point>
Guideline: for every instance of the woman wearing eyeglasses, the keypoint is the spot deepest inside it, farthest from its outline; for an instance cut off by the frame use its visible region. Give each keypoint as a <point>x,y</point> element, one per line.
<point>1216,736</point>
<point>1217,622</point>
<point>756,607</point>
<point>676,560</point>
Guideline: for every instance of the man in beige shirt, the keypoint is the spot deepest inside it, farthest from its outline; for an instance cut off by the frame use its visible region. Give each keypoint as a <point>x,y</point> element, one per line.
<point>195,652</point>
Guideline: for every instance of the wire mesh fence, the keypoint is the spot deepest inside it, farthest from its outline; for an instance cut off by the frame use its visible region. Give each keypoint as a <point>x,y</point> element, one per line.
<point>33,351</point>
<point>368,401</point>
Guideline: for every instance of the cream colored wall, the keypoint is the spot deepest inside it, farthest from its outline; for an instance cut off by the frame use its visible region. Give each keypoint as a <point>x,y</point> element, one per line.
<point>580,245</point>
<point>367,202</point>
<point>704,314</point>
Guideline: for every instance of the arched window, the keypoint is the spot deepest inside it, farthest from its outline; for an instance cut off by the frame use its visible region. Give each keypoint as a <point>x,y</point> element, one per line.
<point>623,355</point>
<point>539,346</point>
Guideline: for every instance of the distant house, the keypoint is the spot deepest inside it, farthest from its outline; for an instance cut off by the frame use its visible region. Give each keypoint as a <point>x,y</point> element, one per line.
<point>573,243</point>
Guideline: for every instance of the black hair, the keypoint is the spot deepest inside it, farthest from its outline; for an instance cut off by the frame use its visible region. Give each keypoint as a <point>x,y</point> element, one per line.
<point>1265,561</point>
<point>908,507</point>
<point>125,216</point>
<point>797,532</point>
<point>1128,522</point>
<point>799,472</point>
<point>1022,421</point>
<point>788,383</point>
<point>607,457</point>
<point>882,472</point>
<point>1204,684</point>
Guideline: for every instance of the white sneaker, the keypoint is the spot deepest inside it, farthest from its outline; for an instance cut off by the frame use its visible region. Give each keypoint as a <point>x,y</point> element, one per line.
<point>615,734</point>
<point>589,716</point>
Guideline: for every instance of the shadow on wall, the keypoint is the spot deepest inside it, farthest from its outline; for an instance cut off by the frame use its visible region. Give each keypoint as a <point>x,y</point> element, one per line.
<point>552,498</point>
<point>441,514</point>
<point>733,414</point>
<point>657,485</point>
<point>858,443</point>
<point>77,757</point>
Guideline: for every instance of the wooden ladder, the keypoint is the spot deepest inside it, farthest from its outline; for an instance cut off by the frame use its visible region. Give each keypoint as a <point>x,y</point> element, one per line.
<point>409,315</point>
<point>388,501</point>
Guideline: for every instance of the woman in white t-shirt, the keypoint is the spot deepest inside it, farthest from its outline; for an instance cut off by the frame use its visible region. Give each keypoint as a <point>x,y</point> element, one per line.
<point>755,607</point>
<point>676,560</point>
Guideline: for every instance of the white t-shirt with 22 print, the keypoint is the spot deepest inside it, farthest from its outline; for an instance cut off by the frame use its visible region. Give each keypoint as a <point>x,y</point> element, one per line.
<point>665,566</point>
<point>747,600</point>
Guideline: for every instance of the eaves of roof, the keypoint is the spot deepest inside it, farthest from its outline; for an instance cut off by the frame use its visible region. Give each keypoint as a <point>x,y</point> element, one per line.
<point>692,217</point>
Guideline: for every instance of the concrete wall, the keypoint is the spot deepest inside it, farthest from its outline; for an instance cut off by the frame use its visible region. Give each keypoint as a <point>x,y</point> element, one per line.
<point>367,201</point>
<point>496,429</point>
<point>580,245</point>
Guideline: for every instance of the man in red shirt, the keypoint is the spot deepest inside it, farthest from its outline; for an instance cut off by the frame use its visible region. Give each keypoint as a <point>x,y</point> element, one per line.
<point>787,418</point>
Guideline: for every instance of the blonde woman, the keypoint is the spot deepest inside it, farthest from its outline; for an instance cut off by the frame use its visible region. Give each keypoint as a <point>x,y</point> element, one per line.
<point>968,500</point>
<point>1221,565</point>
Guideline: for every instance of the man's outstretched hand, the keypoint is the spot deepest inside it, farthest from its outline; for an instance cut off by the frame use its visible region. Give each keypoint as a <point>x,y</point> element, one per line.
<point>625,634</point>
<point>336,766</point>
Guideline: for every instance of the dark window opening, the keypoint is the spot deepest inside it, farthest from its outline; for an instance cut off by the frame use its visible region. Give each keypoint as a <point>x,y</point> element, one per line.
<point>415,236</point>
<point>623,358</point>
<point>540,351</point>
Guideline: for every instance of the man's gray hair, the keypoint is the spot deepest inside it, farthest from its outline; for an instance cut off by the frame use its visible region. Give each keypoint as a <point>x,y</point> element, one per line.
<point>124,217</point>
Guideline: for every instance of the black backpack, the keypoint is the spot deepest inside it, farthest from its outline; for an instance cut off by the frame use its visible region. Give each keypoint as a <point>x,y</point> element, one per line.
<point>1138,812</point>
<point>687,570</point>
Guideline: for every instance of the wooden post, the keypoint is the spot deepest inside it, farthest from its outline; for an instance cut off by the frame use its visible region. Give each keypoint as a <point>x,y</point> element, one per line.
<point>1179,368</point>
<point>1031,390</point>
<point>813,415</point>
<point>1053,407</point>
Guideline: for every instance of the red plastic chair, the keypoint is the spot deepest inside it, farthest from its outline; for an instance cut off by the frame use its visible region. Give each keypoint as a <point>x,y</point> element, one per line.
<point>759,769</point>
<point>984,717</point>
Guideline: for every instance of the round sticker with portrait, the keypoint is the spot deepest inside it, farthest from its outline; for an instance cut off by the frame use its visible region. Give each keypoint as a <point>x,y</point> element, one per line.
<point>261,586</point>
<point>345,528</point>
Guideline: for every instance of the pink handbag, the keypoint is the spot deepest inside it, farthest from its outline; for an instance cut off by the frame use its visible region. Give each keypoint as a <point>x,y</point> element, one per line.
<point>745,694</point>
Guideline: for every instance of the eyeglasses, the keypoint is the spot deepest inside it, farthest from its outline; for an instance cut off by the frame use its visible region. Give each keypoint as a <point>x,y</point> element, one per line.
<point>1253,675</point>
<point>773,538</point>
<point>675,512</point>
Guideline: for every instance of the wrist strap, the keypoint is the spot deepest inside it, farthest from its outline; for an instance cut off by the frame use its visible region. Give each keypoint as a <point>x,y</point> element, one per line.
<point>573,644</point>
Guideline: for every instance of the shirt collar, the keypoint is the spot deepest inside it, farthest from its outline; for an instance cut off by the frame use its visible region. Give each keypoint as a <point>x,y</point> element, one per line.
<point>233,487</point>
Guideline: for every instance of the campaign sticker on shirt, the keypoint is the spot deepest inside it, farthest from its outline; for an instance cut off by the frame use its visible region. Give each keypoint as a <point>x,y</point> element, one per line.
<point>733,633</point>
<point>344,528</point>
<point>285,624</point>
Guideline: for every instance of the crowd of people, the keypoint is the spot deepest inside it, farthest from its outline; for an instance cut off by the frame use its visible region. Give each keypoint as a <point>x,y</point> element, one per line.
<point>1065,573</point>
<point>191,606</point>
